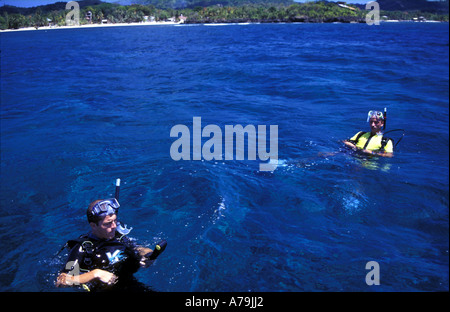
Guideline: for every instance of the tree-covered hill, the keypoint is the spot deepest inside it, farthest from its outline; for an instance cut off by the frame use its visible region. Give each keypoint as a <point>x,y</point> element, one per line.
<point>181,4</point>
<point>411,5</point>
<point>385,5</point>
<point>217,11</point>
<point>159,4</point>
<point>57,6</point>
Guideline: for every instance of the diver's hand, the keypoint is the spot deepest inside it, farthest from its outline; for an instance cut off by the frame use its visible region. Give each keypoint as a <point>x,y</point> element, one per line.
<point>105,276</point>
<point>62,280</point>
<point>350,144</point>
<point>145,262</point>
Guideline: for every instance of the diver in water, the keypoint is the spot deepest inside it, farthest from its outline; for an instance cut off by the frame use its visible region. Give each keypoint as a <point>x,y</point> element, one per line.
<point>104,259</point>
<point>373,142</point>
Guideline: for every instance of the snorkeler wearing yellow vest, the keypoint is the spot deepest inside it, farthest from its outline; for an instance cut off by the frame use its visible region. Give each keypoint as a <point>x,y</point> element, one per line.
<point>373,142</point>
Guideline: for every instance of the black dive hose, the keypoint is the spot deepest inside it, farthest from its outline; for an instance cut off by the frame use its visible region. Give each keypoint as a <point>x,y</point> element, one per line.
<point>384,127</point>
<point>400,137</point>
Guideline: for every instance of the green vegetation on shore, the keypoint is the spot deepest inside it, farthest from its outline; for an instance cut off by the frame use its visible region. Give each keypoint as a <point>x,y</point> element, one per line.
<point>202,11</point>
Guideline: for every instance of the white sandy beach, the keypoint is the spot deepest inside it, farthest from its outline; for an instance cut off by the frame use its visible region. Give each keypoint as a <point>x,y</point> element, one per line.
<point>92,26</point>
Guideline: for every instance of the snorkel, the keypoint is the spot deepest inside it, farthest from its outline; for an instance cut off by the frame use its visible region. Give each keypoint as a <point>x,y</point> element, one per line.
<point>116,195</point>
<point>122,229</point>
<point>384,116</point>
<point>159,248</point>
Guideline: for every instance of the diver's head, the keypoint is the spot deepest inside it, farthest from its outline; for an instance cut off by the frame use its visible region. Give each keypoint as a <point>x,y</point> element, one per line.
<point>376,121</point>
<point>102,217</point>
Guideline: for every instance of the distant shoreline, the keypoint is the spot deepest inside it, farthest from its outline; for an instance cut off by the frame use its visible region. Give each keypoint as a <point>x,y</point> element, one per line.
<point>85,26</point>
<point>90,26</point>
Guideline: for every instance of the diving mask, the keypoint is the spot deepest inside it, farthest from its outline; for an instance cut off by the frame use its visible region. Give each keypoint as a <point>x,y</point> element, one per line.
<point>106,207</point>
<point>375,114</point>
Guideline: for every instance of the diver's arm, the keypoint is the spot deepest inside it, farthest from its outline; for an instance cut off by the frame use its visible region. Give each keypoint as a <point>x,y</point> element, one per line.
<point>376,153</point>
<point>143,250</point>
<point>65,279</point>
<point>350,144</point>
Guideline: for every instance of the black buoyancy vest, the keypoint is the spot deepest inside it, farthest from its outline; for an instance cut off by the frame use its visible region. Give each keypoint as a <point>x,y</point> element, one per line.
<point>117,255</point>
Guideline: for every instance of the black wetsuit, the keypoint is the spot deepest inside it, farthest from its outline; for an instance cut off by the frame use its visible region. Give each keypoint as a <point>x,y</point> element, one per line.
<point>117,256</point>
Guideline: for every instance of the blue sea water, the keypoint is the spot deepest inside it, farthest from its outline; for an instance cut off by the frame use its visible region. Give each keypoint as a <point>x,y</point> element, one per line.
<point>82,107</point>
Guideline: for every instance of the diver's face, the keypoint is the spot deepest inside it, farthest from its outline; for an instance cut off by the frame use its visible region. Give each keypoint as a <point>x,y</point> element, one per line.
<point>375,125</point>
<point>106,228</point>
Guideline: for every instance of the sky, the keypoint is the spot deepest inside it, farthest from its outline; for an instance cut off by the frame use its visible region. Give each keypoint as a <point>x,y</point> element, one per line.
<point>33,3</point>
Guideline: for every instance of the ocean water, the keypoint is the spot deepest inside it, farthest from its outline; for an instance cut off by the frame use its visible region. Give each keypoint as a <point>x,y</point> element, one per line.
<point>82,107</point>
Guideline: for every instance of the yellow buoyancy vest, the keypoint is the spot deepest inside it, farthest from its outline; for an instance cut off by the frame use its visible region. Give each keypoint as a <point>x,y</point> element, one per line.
<point>372,142</point>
